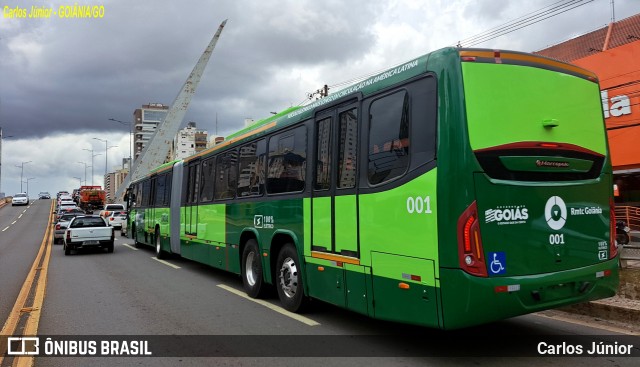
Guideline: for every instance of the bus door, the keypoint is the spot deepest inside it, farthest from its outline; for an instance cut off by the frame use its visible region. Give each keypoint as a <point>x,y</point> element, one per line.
<point>150,217</point>
<point>191,204</point>
<point>334,206</point>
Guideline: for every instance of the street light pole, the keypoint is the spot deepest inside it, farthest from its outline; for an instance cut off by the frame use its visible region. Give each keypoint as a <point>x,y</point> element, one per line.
<point>92,155</point>
<point>22,172</point>
<point>80,179</point>
<point>1,139</point>
<point>130,140</point>
<point>85,172</point>
<point>27,182</point>
<point>106,156</point>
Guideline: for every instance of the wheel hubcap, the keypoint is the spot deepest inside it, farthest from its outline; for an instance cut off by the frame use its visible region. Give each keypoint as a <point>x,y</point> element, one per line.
<point>250,269</point>
<point>288,277</point>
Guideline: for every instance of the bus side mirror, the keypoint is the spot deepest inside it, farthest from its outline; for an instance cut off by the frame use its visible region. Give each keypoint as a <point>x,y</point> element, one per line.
<point>126,197</point>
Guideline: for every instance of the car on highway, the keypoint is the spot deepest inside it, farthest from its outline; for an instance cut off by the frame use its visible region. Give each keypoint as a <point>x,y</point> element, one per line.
<point>67,205</point>
<point>62,224</point>
<point>20,198</point>
<point>88,231</point>
<point>116,218</point>
<point>44,195</point>
<point>61,211</point>
<point>110,208</point>
<point>65,198</point>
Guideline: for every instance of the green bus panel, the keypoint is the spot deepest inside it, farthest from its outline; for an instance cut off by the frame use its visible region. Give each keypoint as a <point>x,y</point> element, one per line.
<point>209,254</point>
<point>528,243</point>
<point>358,281</point>
<point>521,108</point>
<point>468,300</point>
<point>401,221</point>
<point>211,226</point>
<point>417,302</point>
<point>345,286</point>
<point>321,223</point>
<point>326,281</point>
<point>346,223</point>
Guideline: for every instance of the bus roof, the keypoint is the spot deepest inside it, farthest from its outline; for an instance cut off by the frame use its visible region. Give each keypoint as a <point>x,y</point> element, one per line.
<point>381,81</point>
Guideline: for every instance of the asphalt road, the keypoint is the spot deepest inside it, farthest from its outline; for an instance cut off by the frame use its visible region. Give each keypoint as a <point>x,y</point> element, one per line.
<point>22,229</point>
<point>130,293</point>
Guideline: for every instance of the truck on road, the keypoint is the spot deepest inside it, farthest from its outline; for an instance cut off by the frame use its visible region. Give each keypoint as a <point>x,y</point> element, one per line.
<point>88,231</point>
<point>91,198</point>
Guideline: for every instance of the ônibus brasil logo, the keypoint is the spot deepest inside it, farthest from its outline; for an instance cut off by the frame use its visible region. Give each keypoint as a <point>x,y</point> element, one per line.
<point>507,214</point>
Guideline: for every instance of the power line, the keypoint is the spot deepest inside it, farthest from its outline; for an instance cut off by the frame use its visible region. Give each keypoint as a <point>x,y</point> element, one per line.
<point>519,24</point>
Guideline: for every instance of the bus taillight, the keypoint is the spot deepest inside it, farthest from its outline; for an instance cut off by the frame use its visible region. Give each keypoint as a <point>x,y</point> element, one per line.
<point>470,251</point>
<point>613,249</point>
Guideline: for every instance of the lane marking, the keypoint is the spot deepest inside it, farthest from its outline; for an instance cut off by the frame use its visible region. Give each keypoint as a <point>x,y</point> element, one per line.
<point>24,211</point>
<point>20,216</point>
<point>14,222</point>
<point>41,265</point>
<point>166,263</point>
<point>5,229</point>
<point>278,309</point>
<point>129,246</point>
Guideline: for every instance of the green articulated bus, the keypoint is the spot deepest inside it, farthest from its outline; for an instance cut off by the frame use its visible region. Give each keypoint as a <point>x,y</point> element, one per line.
<point>459,188</point>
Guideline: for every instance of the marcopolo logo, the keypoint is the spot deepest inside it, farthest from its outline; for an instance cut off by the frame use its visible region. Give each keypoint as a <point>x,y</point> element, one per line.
<point>507,214</point>
<point>555,212</point>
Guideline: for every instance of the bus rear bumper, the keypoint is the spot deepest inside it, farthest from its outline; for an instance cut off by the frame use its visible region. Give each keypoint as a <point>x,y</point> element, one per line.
<point>468,300</point>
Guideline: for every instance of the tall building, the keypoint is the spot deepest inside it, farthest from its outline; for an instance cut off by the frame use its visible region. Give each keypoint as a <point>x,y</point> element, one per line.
<point>612,52</point>
<point>188,142</point>
<point>112,182</point>
<point>214,140</point>
<point>146,120</point>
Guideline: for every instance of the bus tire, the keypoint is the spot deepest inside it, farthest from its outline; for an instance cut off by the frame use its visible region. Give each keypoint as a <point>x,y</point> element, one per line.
<point>159,252</point>
<point>134,235</point>
<point>251,270</point>
<point>289,279</point>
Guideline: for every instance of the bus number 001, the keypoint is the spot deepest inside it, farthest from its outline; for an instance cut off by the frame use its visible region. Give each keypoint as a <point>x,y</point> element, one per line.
<point>419,205</point>
<point>556,239</point>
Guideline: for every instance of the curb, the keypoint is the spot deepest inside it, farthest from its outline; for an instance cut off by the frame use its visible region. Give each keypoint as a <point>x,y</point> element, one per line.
<point>605,310</point>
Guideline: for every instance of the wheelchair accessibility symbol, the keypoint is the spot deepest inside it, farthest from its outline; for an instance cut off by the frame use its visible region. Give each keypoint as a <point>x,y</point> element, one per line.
<point>498,264</point>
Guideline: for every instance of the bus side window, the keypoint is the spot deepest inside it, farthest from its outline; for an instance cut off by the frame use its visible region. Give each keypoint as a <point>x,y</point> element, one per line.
<point>389,128</point>
<point>251,169</point>
<point>207,180</point>
<point>347,150</point>
<point>226,175</point>
<point>287,161</point>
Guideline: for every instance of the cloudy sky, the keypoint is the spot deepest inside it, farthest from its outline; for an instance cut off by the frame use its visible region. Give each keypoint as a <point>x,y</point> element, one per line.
<point>62,79</point>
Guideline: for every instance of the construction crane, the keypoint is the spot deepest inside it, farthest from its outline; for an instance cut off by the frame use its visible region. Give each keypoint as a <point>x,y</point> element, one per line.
<point>156,150</point>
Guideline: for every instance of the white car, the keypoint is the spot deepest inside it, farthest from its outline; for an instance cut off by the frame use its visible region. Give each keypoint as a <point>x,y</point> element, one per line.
<point>20,199</point>
<point>104,213</point>
<point>115,219</point>
<point>64,198</point>
<point>67,204</point>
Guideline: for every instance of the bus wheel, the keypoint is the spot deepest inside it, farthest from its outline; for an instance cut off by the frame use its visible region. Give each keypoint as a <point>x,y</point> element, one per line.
<point>252,270</point>
<point>289,280</point>
<point>159,252</point>
<point>134,235</point>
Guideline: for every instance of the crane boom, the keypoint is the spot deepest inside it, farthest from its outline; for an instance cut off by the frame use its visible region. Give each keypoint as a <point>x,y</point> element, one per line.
<point>156,150</point>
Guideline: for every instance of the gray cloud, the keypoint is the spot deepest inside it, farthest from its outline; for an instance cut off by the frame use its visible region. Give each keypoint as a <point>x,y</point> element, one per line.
<point>60,77</point>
